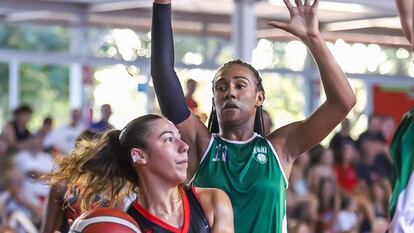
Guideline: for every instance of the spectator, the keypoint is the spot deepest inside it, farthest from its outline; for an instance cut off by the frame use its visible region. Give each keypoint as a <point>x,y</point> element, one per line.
<point>374,164</point>
<point>341,136</point>
<point>347,220</point>
<point>345,170</point>
<point>373,130</point>
<point>16,131</point>
<point>46,127</point>
<point>32,163</point>
<point>63,138</point>
<point>103,124</point>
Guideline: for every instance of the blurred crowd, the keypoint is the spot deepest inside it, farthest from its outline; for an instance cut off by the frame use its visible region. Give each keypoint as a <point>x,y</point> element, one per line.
<point>342,188</point>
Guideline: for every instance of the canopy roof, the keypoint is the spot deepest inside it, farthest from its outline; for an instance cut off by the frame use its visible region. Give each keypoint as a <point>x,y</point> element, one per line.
<point>367,21</point>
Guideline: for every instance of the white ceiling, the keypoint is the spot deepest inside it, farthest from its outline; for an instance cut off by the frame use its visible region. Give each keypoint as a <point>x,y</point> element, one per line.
<point>370,21</point>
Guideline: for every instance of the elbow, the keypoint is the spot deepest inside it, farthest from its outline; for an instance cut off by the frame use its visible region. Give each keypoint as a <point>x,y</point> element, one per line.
<point>350,103</point>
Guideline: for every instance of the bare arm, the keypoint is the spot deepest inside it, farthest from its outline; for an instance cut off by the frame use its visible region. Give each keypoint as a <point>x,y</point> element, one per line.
<point>292,140</point>
<point>53,216</point>
<point>405,10</point>
<point>217,209</point>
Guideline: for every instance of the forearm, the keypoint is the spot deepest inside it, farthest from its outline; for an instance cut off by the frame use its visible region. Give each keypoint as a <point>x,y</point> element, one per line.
<point>405,10</point>
<point>166,83</point>
<point>336,86</point>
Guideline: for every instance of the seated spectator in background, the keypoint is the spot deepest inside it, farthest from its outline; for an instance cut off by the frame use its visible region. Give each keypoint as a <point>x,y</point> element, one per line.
<point>16,131</point>
<point>103,124</point>
<point>346,175</point>
<point>321,166</point>
<point>388,128</point>
<point>46,127</point>
<point>347,219</point>
<point>374,163</point>
<point>329,205</point>
<point>64,137</point>
<point>14,202</point>
<point>341,136</point>
<point>373,129</point>
<point>380,194</point>
<point>33,163</point>
<point>191,86</point>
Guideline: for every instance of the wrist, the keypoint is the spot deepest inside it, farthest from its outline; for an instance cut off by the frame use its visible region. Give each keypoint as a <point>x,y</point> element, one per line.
<point>162,1</point>
<point>313,39</point>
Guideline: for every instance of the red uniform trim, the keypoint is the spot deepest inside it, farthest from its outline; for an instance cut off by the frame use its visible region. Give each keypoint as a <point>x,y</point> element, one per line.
<point>160,222</point>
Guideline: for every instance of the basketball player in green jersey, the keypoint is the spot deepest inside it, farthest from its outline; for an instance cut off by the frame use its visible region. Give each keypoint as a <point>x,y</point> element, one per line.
<point>232,153</point>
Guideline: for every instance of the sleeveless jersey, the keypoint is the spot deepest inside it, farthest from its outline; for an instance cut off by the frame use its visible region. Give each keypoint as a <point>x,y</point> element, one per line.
<point>194,218</point>
<point>252,176</point>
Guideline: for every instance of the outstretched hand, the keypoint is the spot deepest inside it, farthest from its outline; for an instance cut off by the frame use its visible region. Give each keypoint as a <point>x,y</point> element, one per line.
<point>303,19</point>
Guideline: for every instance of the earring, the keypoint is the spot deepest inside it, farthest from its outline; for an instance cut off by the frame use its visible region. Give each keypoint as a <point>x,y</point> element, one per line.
<point>135,158</point>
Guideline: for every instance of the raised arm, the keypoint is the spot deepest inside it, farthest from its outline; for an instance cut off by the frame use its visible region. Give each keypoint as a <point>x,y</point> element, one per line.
<point>405,10</point>
<point>292,140</point>
<point>168,88</point>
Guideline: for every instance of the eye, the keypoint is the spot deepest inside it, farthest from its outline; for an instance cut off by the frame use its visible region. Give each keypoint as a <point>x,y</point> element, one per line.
<point>220,87</point>
<point>169,139</point>
<point>240,85</point>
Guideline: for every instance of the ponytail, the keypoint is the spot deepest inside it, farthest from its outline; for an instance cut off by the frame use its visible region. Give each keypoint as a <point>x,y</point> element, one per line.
<point>97,168</point>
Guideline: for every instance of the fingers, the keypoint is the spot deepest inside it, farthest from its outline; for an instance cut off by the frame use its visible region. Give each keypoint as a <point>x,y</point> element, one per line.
<point>315,3</point>
<point>307,2</point>
<point>279,25</point>
<point>298,2</point>
<point>288,5</point>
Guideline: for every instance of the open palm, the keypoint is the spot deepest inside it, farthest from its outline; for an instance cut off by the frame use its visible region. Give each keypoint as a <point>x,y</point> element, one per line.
<point>303,19</point>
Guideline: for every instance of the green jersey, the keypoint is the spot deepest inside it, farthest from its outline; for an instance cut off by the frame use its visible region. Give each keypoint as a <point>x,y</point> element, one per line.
<point>252,176</point>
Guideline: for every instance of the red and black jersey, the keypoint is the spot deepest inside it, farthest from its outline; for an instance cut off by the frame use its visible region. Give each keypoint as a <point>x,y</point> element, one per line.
<point>194,218</point>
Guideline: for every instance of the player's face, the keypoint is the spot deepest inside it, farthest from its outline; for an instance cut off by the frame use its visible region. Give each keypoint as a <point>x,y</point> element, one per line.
<point>235,95</point>
<point>167,153</point>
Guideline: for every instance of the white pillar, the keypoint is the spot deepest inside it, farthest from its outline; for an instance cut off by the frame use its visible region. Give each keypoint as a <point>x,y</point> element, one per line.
<point>14,84</point>
<point>78,46</point>
<point>244,29</point>
<point>75,85</point>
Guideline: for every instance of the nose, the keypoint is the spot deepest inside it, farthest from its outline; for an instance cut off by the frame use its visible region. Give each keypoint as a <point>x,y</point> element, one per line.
<point>230,93</point>
<point>183,147</point>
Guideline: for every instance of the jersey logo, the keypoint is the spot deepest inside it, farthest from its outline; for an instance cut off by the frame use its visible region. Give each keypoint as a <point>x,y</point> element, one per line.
<point>221,153</point>
<point>259,154</point>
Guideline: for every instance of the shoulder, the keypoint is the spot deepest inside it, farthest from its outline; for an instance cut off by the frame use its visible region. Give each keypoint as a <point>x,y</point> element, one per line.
<point>213,196</point>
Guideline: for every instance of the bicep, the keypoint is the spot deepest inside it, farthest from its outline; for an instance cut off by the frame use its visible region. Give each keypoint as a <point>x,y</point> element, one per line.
<point>301,136</point>
<point>223,213</point>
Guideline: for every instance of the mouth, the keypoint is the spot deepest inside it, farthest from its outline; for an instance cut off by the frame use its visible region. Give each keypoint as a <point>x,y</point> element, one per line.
<point>182,162</point>
<point>230,106</point>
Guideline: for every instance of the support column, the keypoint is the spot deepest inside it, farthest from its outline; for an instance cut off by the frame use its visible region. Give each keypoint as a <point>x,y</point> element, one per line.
<point>244,29</point>
<point>14,84</point>
<point>79,47</point>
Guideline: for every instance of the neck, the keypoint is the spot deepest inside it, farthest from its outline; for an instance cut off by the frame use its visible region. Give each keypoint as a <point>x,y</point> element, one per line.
<point>160,199</point>
<point>241,132</point>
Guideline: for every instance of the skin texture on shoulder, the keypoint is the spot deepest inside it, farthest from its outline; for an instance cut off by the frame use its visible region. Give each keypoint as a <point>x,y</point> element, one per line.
<point>217,208</point>
<point>406,11</point>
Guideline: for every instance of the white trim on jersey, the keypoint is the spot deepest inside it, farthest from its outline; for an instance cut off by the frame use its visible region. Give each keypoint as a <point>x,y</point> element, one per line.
<point>239,142</point>
<point>80,224</point>
<point>403,220</point>
<point>278,161</point>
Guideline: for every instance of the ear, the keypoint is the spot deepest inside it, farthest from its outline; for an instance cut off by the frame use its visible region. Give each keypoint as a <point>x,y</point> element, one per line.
<point>138,156</point>
<point>260,97</point>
